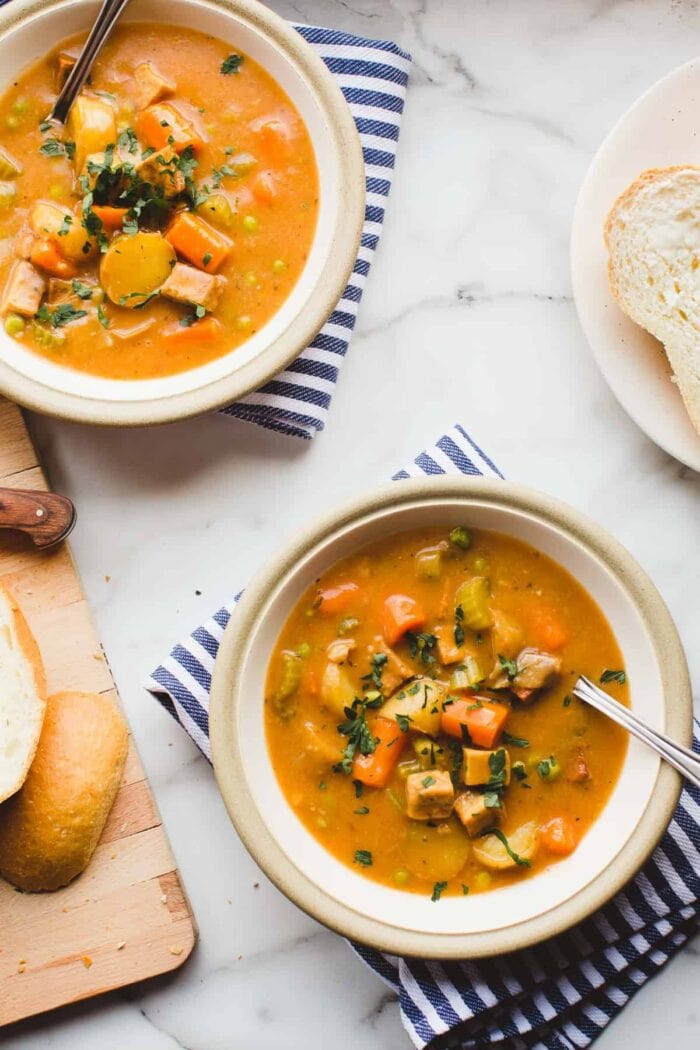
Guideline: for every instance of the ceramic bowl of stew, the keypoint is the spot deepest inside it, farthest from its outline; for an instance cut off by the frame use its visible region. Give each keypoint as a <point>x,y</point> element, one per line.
<point>193,226</point>
<point>393,730</point>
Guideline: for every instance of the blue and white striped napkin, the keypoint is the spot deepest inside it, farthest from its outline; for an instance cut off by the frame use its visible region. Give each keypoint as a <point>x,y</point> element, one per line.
<point>558,995</point>
<point>372,75</point>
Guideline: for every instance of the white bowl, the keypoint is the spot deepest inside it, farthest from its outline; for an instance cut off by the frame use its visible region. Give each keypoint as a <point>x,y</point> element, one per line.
<point>28,29</point>
<point>508,918</point>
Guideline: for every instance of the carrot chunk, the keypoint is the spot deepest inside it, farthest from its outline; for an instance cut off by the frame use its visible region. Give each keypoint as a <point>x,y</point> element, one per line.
<point>559,836</point>
<point>46,255</point>
<point>374,770</point>
<point>548,630</point>
<point>400,614</point>
<point>111,218</point>
<point>484,724</point>
<point>201,332</point>
<point>199,242</point>
<point>337,599</point>
<point>160,123</point>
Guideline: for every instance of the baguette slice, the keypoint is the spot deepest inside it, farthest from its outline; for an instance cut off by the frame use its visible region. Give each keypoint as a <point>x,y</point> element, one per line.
<point>49,829</point>
<point>653,238</point>
<point>22,696</point>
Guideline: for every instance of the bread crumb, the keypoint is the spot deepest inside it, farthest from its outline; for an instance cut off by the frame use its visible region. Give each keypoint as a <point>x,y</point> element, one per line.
<point>107,579</point>
<point>22,962</point>
<point>176,950</point>
<point>121,945</point>
<point>164,899</point>
<point>21,968</point>
<point>87,961</point>
<point>113,856</point>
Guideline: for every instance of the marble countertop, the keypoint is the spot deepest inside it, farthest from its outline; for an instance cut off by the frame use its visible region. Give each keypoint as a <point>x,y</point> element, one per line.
<point>468,317</point>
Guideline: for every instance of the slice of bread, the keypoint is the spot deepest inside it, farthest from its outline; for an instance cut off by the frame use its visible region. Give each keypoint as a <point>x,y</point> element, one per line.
<point>49,829</point>
<point>653,237</point>
<point>22,696</point>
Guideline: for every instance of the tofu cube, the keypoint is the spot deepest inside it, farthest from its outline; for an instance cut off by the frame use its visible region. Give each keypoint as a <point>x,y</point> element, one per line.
<point>472,809</point>
<point>24,290</point>
<point>429,795</point>
<point>188,285</point>
<point>151,85</point>
<point>481,767</point>
<point>161,169</point>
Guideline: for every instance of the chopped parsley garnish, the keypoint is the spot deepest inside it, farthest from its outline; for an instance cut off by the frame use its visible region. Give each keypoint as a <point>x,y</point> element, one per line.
<point>102,317</point>
<point>548,768</point>
<point>492,800</point>
<point>83,291</point>
<point>363,857</point>
<point>613,676</point>
<point>428,781</point>
<point>457,758</point>
<point>404,722</point>
<point>45,126</point>
<point>65,226</point>
<point>519,770</point>
<point>130,224</point>
<point>459,625</point>
<point>127,140</point>
<point>520,861</point>
<point>219,174</point>
<point>421,646</point>
<point>362,811</point>
<point>144,296</point>
<point>359,788</point>
<point>357,732</point>
<point>206,258</point>
<point>373,680</point>
<point>566,702</point>
<point>321,785</point>
<point>438,890</point>
<point>497,769</point>
<point>62,315</point>
<point>231,64</point>
<point>509,666</point>
<point>53,148</point>
<point>465,889</point>
<point>461,537</point>
<point>515,741</point>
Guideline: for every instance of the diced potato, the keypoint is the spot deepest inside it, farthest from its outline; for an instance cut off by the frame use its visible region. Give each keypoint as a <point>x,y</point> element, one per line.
<point>48,218</point>
<point>420,702</point>
<point>92,126</point>
<point>188,285</point>
<point>433,854</point>
<point>24,290</point>
<point>9,167</point>
<point>337,689</point>
<point>429,795</point>
<point>135,266</point>
<point>7,195</point>
<point>492,853</point>
<point>478,765</point>
<point>151,85</point>
<point>476,816</point>
<point>217,209</point>
<point>429,562</point>
<point>474,598</point>
<point>324,743</point>
<point>507,635</point>
<point>428,753</point>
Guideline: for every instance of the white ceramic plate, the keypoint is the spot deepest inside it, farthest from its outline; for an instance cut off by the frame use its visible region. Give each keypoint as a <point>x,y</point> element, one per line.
<point>660,129</point>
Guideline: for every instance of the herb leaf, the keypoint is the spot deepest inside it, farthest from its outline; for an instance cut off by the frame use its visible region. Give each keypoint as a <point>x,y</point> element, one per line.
<point>62,315</point>
<point>421,645</point>
<point>231,64</point>
<point>362,811</point>
<point>509,666</point>
<point>520,861</point>
<point>83,291</point>
<point>515,741</point>
<point>438,890</point>
<point>459,628</point>
<point>613,676</point>
<point>358,733</point>
<point>363,857</point>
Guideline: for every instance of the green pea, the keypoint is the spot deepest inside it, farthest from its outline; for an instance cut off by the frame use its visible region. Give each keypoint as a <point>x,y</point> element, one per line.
<point>56,191</point>
<point>481,565</point>
<point>321,822</point>
<point>20,105</point>
<point>251,277</point>
<point>482,880</point>
<point>243,322</point>
<point>304,650</point>
<point>279,265</point>
<point>401,877</point>
<point>12,121</point>
<point>14,324</point>
<point>250,223</point>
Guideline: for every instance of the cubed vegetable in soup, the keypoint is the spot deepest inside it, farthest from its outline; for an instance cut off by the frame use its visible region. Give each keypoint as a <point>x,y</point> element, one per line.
<point>184,188</point>
<point>417,721</point>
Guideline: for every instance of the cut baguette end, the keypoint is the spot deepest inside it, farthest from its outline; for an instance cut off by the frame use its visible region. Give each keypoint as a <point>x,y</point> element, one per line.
<point>22,696</point>
<point>652,234</point>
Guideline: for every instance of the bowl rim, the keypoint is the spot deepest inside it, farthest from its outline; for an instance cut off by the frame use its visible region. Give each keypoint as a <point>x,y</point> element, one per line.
<point>322,299</point>
<point>227,747</point>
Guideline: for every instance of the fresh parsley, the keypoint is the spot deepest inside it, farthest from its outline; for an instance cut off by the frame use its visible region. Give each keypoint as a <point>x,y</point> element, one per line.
<point>421,646</point>
<point>461,537</point>
<point>362,811</point>
<point>613,676</point>
<point>459,626</point>
<point>358,733</point>
<point>127,140</point>
<point>497,769</point>
<point>102,317</point>
<point>359,788</point>
<point>53,148</point>
<point>548,768</point>
<point>492,800</point>
<point>465,889</point>
<point>61,316</point>
<point>428,781</point>
<point>404,722</point>
<point>509,666</point>
<point>515,741</point>
<point>363,857</point>
<point>83,291</point>
<point>519,771</point>
<point>206,258</point>
<point>65,226</point>
<point>566,702</point>
<point>373,680</point>
<point>438,890</point>
<point>231,64</point>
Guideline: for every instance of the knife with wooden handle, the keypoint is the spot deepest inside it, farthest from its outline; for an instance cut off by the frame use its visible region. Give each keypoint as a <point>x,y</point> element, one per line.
<point>44,516</point>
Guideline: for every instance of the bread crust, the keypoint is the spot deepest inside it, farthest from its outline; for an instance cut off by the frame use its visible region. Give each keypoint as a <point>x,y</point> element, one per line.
<point>32,656</point>
<point>50,828</point>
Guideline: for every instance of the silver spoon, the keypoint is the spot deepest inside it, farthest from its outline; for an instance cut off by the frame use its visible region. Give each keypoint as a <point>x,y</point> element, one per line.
<point>681,758</point>
<point>104,24</point>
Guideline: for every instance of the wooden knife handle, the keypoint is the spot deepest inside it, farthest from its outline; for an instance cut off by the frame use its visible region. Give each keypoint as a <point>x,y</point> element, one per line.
<point>45,516</point>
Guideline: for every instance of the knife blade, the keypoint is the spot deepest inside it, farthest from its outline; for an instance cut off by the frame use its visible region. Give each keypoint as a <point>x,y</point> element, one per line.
<point>45,517</point>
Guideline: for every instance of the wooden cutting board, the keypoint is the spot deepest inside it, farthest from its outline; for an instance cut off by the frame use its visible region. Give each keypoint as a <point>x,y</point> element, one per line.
<point>126,917</point>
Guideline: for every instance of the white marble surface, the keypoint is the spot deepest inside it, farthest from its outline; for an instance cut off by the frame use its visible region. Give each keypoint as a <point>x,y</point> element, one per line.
<point>468,317</point>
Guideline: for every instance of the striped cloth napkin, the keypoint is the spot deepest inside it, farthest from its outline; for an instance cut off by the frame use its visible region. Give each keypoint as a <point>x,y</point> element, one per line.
<point>372,75</point>
<point>558,995</point>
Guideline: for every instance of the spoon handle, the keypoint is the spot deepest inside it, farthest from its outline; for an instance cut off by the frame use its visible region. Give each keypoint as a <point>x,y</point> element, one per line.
<point>45,516</point>
<point>681,758</point>
<point>108,15</point>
